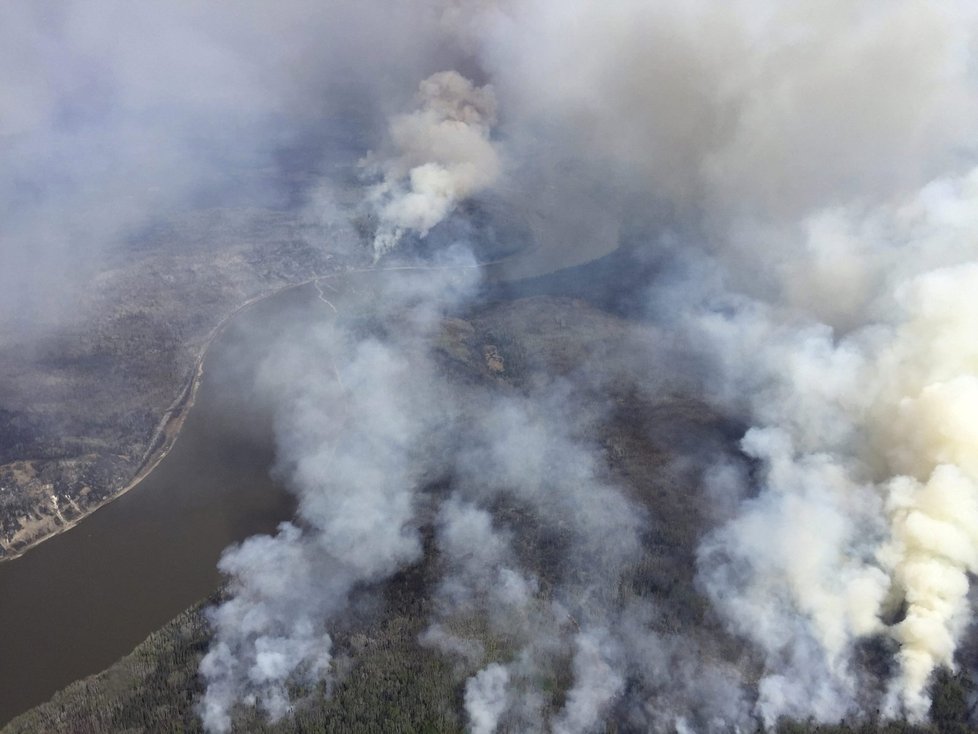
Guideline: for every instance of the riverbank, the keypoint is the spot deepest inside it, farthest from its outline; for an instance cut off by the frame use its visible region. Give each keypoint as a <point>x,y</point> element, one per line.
<point>169,426</point>
<point>164,436</point>
<point>139,574</point>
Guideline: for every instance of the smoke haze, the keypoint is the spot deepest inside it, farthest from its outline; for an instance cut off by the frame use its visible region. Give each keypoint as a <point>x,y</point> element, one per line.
<point>795,184</point>
<point>811,163</point>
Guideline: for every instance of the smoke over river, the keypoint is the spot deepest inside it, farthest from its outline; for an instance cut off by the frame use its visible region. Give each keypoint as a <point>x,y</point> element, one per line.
<point>796,187</point>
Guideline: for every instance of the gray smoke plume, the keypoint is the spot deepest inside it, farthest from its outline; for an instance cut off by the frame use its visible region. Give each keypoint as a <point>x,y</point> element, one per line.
<point>443,155</point>
<point>357,424</point>
<point>808,166</point>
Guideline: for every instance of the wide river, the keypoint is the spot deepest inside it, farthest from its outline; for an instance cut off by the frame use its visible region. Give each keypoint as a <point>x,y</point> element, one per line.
<point>81,600</point>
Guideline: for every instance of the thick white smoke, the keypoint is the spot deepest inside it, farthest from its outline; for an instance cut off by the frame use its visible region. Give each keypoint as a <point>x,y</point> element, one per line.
<point>485,698</point>
<point>760,108</point>
<point>115,118</point>
<point>819,148</point>
<point>357,421</point>
<point>442,154</point>
<point>867,439</point>
<point>810,160</point>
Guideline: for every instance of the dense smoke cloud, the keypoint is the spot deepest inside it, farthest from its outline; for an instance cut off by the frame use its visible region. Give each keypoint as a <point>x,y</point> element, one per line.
<point>795,139</point>
<point>444,155</point>
<point>358,425</point>
<point>760,108</point>
<point>866,437</point>
<point>800,174</point>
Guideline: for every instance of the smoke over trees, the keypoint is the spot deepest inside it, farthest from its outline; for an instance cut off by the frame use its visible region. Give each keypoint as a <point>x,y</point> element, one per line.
<point>818,259</point>
<point>796,183</point>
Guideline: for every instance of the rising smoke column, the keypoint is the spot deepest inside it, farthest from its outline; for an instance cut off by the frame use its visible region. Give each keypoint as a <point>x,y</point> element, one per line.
<point>796,142</point>
<point>932,502</point>
<point>442,155</point>
<point>828,299</point>
<point>357,425</point>
<point>867,441</point>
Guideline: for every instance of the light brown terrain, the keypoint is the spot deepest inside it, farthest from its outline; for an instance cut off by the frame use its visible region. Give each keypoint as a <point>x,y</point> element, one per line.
<point>90,406</point>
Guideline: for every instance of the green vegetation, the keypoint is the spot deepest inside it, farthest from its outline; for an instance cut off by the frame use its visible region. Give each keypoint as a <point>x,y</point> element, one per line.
<point>386,680</point>
<point>82,399</point>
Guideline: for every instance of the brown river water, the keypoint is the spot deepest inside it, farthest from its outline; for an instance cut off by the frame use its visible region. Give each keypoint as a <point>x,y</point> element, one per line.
<point>79,601</point>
